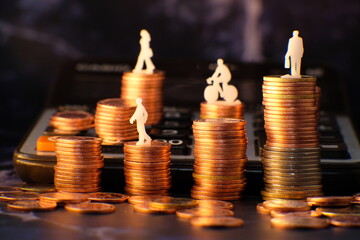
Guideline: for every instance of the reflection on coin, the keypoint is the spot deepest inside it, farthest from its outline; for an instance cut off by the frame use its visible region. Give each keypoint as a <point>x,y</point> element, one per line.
<point>329,201</point>
<point>89,207</point>
<point>31,205</point>
<point>332,212</point>
<point>261,209</point>
<point>299,222</point>
<point>217,222</point>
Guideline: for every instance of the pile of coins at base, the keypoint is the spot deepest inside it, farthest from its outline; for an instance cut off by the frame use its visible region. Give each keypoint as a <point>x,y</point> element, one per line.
<point>112,120</point>
<point>72,121</point>
<point>147,168</point>
<point>79,163</point>
<point>220,158</point>
<point>316,212</point>
<point>202,213</point>
<point>222,109</point>
<point>148,87</point>
<point>291,155</point>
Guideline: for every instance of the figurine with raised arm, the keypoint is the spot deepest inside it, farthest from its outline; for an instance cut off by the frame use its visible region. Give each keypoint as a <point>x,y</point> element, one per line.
<point>145,54</point>
<point>141,115</point>
<point>221,75</point>
<point>294,54</point>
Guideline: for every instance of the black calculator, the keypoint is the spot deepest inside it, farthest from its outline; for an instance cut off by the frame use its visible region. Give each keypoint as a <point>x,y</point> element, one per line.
<point>82,83</point>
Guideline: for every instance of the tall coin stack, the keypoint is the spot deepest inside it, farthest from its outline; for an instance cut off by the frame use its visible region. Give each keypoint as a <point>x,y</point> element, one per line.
<point>148,87</point>
<point>112,120</point>
<point>291,155</point>
<point>220,158</point>
<point>79,163</point>
<point>222,109</point>
<point>147,168</point>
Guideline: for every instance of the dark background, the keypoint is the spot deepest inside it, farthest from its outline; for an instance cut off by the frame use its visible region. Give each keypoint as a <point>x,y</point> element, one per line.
<point>37,36</point>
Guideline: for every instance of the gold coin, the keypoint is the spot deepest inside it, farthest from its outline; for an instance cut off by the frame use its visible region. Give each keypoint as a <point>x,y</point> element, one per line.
<point>31,205</point>
<point>345,221</point>
<point>261,209</point>
<point>17,196</point>
<point>217,222</point>
<point>309,213</point>
<point>144,198</point>
<point>330,199</point>
<point>6,189</point>
<point>286,205</point>
<point>203,212</point>
<point>299,222</point>
<point>344,211</point>
<point>214,204</point>
<point>90,207</point>
<point>39,188</point>
<point>145,207</point>
<point>170,202</point>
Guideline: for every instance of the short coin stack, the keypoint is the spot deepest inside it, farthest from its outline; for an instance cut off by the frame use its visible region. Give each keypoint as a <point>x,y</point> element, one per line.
<point>222,109</point>
<point>220,158</point>
<point>147,168</point>
<point>79,163</point>
<point>148,87</point>
<point>72,120</point>
<point>112,120</point>
<point>291,155</point>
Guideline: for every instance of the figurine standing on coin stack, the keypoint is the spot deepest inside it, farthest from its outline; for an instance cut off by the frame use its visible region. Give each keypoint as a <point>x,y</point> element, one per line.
<point>112,121</point>
<point>230,107</point>
<point>291,155</point>
<point>220,158</point>
<point>79,161</point>
<point>145,83</point>
<point>146,162</point>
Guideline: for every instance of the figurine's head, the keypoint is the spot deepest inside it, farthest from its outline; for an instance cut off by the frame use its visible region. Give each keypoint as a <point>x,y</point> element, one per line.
<point>295,33</point>
<point>138,100</point>
<point>220,61</point>
<point>145,34</point>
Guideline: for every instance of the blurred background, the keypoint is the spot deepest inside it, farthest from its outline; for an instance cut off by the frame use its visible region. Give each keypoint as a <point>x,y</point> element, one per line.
<point>36,36</point>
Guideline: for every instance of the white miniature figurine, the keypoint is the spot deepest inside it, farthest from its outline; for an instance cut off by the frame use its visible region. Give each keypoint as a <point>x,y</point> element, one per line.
<point>221,75</point>
<point>141,115</point>
<point>294,54</point>
<point>145,54</point>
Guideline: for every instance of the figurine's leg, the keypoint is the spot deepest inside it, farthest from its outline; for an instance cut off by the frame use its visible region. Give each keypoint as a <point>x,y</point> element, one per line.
<point>140,63</point>
<point>150,67</point>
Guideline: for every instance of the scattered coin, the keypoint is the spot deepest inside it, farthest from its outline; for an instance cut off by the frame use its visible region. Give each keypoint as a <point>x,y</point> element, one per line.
<point>17,196</point>
<point>345,221</point>
<point>107,197</point>
<point>173,203</point>
<point>89,207</point>
<point>286,205</point>
<point>63,197</point>
<point>299,222</point>
<point>31,205</point>
<point>203,212</point>
<point>217,222</point>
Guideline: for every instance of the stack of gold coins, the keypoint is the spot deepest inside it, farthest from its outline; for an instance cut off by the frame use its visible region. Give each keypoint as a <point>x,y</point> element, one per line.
<point>72,120</point>
<point>147,168</point>
<point>220,158</point>
<point>79,164</point>
<point>222,109</point>
<point>112,120</point>
<point>148,87</point>
<point>291,155</point>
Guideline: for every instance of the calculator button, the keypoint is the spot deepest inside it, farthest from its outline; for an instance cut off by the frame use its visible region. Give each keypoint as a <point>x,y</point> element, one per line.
<point>46,144</point>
